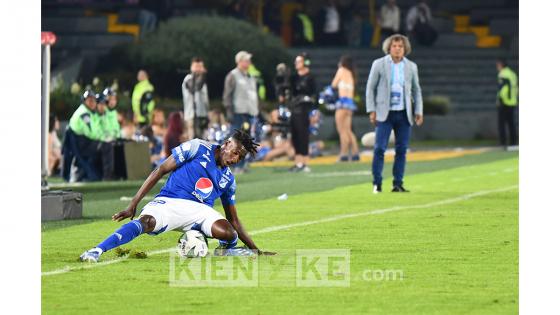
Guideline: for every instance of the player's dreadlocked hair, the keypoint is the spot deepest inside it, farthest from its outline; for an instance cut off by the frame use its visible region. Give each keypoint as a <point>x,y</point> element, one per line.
<point>245,139</point>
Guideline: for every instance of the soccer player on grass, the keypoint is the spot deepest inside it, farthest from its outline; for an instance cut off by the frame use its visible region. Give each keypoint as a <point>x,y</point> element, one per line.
<point>199,174</point>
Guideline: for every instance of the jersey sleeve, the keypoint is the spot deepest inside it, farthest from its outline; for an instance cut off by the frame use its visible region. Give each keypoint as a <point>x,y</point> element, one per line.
<point>185,152</point>
<point>228,197</point>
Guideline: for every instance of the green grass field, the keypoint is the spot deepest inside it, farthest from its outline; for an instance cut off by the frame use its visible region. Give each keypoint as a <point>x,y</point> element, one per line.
<point>453,242</point>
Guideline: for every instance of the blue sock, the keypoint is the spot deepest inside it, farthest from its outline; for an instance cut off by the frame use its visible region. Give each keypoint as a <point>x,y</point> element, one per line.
<point>123,235</point>
<point>229,244</point>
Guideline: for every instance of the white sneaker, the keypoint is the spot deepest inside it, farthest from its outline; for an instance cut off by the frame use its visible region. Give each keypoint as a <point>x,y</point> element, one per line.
<point>91,255</point>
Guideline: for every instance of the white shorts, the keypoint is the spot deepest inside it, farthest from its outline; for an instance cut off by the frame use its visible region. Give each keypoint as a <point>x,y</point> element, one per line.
<point>180,215</point>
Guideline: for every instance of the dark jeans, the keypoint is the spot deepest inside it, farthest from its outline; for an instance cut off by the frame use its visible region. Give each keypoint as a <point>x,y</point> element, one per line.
<point>506,118</point>
<point>397,121</point>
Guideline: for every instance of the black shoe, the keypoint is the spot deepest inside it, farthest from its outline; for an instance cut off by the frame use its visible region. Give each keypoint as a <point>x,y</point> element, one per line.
<point>376,189</point>
<point>399,189</point>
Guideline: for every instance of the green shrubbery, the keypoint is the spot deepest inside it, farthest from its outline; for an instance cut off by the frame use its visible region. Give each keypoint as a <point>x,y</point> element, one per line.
<point>436,105</point>
<point>166,53</point>
<point>64,99</point>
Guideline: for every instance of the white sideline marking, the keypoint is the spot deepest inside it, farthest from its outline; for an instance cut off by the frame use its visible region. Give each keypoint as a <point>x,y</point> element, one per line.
<point>306,223</point>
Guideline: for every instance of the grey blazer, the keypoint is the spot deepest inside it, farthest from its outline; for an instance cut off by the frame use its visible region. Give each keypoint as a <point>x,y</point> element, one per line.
<point>378,89</point>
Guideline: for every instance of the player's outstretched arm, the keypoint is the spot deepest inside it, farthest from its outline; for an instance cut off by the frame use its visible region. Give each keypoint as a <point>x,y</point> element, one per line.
<point>231,216</point>
<point>164,168</point>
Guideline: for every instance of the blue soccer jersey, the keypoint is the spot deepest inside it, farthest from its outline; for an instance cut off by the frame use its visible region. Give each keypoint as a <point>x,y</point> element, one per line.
<point>197,176</point>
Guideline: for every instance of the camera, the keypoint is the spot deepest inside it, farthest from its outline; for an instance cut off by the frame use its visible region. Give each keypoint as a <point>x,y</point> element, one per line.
<point>282,82</point>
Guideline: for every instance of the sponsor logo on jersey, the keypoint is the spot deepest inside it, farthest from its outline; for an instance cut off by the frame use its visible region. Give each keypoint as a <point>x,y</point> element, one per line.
<point>203,164</point>
<point>203,188</point>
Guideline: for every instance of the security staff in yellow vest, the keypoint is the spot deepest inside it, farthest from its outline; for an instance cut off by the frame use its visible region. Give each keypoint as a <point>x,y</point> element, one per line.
<point>80,146</point>
<point>507,101</point>
<point>143,99</point>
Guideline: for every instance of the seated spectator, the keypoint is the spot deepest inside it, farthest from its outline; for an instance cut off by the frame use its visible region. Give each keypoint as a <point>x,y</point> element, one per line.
<point>275,143</point>
<point>158,123</point>
<point>53,146</point>
<point>218,126</point>
<point>155,146</point>
<point>128,128</point>
<point>174,135</point>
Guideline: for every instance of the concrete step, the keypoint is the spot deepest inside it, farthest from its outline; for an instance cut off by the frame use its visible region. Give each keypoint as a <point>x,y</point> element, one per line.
<point>97,41</point>
<point>504,26</point>
<point>75,25</point>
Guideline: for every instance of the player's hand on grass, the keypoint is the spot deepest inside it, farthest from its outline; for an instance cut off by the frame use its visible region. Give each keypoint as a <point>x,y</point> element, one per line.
<point>128,213</point>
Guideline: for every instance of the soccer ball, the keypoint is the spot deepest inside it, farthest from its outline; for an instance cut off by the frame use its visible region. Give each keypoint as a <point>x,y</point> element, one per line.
<point>192,244</point>
<point>368,139</point>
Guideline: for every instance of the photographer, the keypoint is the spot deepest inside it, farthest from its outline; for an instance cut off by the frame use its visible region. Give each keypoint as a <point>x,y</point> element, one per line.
<point>303,99</point>
<point>195,99</point>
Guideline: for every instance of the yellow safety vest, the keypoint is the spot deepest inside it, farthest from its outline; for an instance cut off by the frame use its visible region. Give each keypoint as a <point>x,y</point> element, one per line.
<point>507,93</point>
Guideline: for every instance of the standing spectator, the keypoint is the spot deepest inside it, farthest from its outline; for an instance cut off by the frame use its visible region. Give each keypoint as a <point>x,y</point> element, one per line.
<point>330,23</point>
<point>143,99</point>
<point>240,94</point>
<point>345,81</point>
<point>195,100</point>
<point>302,29</point>
<point>240,99</point>
<point>53,146</point>
<point>392,90</point>
<point>507,102</point>
<point>303,99</point>
<point>173,136</point>
<point>390,18</point>
<point>418,24</point>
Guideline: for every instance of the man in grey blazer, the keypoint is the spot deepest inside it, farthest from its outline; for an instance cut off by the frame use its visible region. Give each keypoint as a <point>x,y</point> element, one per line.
<point>394,103</point>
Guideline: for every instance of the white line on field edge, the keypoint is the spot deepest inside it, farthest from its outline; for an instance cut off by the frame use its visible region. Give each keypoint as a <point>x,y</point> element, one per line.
<point>305,223</point>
